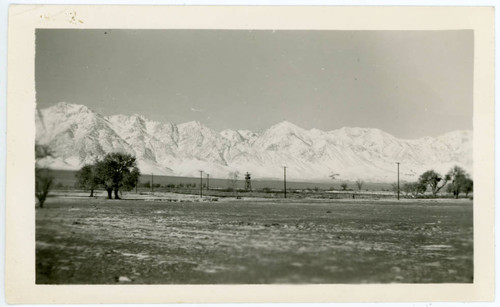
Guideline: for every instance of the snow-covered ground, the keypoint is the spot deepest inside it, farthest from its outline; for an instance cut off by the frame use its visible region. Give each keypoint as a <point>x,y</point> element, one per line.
<point>148,196</point>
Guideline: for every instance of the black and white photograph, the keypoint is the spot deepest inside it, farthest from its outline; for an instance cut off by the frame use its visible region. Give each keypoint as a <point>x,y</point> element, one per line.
<point>254,156</point>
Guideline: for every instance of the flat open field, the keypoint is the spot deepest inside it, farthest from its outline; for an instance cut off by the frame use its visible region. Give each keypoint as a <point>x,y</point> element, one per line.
<point>98,241</point>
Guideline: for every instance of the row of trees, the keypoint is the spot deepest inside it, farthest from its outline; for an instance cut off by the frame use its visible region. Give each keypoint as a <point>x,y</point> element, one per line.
<point>456,181</point>
<point>115,172</point>
<point>359,184</point>
<point>181,185</point>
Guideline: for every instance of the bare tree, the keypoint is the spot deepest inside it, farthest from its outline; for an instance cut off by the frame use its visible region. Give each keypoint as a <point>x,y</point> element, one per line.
<point>87,178</point>
<point>414,189</point>
<point>359,183</point>
<point>43,175</point>
<point>460,181</point>
<point>432,179</point>
<point>468,186</point>
<point>344,186</point>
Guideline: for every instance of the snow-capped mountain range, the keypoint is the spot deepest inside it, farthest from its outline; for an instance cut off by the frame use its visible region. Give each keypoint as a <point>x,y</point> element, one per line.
<point>78,135</point>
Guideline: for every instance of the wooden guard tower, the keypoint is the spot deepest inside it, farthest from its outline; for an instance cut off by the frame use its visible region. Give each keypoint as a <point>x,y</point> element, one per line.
<point>248,184</point>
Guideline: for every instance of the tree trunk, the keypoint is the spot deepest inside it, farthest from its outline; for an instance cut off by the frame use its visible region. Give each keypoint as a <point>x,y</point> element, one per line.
<point>433,190</point>
<point>91,192</point>
<point>110,193</point>
<point>116,194</point>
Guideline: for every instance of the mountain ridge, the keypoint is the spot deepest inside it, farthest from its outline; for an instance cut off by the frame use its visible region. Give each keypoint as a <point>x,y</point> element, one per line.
<point>79,135</point>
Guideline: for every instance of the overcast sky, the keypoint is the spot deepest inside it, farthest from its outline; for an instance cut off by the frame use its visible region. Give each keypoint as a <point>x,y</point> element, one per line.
<point>408,83</point>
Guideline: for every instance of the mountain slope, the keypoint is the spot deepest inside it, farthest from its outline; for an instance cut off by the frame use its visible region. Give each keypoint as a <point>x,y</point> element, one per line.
<point>78,135</point>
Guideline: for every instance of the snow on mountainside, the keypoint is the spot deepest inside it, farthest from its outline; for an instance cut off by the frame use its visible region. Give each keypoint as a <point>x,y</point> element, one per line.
<point>78,135</point>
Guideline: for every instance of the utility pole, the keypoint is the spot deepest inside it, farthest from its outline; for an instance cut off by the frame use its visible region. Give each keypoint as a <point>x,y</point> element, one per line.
<point>201,184</point>
<point>152,189</point>
<point>398,178</point>
<point>284,179</point>
<point>136,182</point>
<point>208,176</point>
